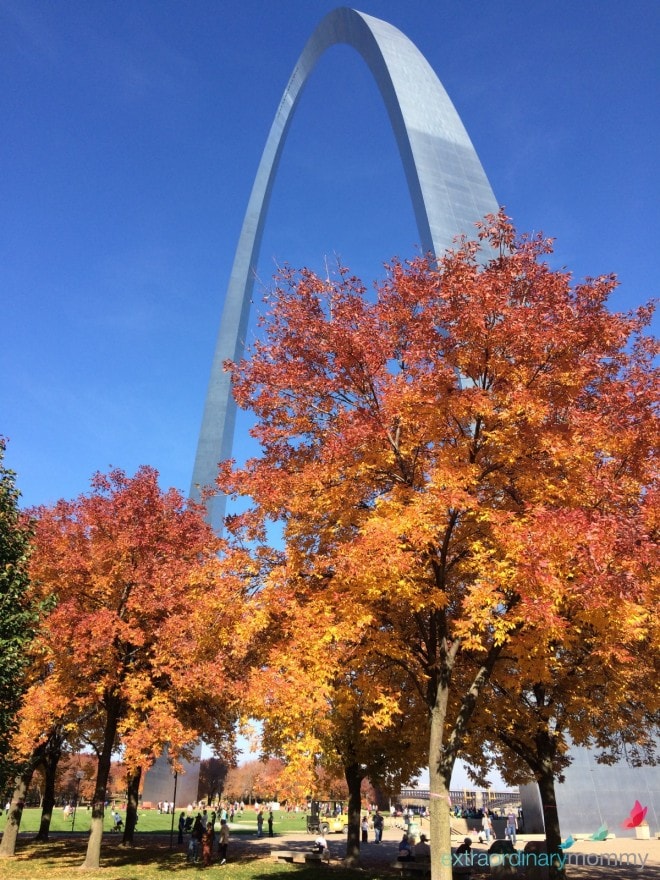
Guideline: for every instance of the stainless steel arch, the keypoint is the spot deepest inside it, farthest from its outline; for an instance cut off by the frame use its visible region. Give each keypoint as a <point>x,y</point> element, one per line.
<point>448,188</point>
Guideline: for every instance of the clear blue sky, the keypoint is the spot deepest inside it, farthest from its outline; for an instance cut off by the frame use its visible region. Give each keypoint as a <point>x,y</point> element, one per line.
<point>130,134</point>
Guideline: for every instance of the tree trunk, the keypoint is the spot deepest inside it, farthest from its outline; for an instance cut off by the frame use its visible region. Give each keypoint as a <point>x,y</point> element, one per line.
<point>546,783</point>
<point>51,758</point>
<point>443,753</point>
<point>439,806</point>
<point>8,844</point>
<point>354,777</point>
<point>93,857</point>
<point>133,791</point>
<point>47,802</point>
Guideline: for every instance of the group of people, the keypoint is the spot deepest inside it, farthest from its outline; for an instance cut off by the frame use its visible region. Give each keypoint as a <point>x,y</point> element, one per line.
<point>202,837</point>
<point>375,822</point>
<point>409,850</point>
<point>166,807</point>
<point>260,823</point>
<point>510,829</point>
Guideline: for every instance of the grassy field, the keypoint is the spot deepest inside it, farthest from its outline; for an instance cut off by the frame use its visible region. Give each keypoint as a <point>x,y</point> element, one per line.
<point>151,858</point>
<point>153,822</point>
<point>61,859</point>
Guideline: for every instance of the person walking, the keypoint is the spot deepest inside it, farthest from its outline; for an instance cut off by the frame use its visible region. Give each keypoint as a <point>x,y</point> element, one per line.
<point>486,826</point>
<point>223,841</point>
<point>260,824</point>
<point>195,839</point>
<point>379,823</point>
<point>511,827</point>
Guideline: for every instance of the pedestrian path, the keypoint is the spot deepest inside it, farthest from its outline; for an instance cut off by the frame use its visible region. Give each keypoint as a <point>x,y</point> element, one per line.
<point>616,858</point>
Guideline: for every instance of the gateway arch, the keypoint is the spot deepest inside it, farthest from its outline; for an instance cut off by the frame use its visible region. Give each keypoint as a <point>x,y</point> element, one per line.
<point>448,189</point>
<point>449,192</point>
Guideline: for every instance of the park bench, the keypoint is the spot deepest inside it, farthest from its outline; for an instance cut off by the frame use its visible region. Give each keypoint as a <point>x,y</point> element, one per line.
<point>284,855</point>
<point>297,857</point>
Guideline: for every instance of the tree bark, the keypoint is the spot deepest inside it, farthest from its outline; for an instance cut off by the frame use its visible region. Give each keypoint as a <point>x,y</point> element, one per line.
<point>354,777</point>
<point>439,806</point>
<point>93,856</point>
<point>51,757</point>
<point>443,753</point>
<point>546,783</point>
<point>133,791</point>
<point>8,844</point>
<point>47,803</point>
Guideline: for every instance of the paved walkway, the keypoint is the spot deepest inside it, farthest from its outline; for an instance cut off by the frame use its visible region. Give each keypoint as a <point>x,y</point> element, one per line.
<point>618,857</point>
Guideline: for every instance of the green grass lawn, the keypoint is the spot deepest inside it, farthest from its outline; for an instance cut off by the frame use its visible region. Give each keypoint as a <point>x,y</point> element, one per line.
<point>152,821</point>
<point>151,858</point>
<point>61,859</point>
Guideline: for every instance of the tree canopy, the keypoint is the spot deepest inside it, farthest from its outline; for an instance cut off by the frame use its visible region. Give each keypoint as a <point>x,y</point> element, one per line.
<point>424,446</point>
<point>137,646</point>
<point>462,467</point>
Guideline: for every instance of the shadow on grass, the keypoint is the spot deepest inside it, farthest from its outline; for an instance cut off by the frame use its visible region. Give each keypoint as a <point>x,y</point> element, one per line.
<point>155,858</point>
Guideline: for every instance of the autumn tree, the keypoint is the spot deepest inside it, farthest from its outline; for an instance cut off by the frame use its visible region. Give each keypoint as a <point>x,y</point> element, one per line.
<point>332,711</point>
<point>47,726</point>
<point>593,681</point>
<point>212,777</point>
<point>267,781</point>
<point>373,735</point>
<point>239,783</point>
<point>413,439</point>
<point>134,643</point>
<point>76,777</point>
